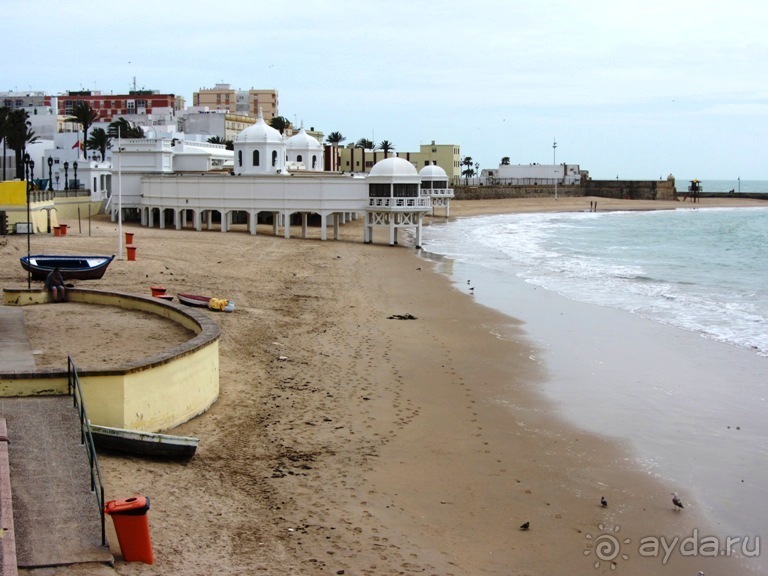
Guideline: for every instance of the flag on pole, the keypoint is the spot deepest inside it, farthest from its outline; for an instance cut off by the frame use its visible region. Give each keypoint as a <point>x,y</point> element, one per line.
<point>76,145</point>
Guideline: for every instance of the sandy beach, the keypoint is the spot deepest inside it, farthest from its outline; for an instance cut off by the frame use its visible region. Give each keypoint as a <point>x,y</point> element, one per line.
<point>377,446</point>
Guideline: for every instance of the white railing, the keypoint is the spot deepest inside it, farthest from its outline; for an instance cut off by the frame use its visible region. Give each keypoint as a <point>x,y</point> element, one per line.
<point>438,192</point>
<point>400,203</point>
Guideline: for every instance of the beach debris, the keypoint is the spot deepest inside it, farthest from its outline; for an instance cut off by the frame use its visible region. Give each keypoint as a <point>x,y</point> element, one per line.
<point>401,317</point>
<point>603,502</point>
<point>525,525</point>
<point>419,268</point>
<point>282,358</point>
<point>677,502</point>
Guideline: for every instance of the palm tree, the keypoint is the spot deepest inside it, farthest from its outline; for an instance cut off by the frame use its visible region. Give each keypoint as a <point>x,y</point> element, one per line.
<point>280,123</point>
<point>228,144</point>
<point>467,161</point>
<point>505,161</point>
<point>122,128</point>
<point>386,146</point>
<point>84,115</point>
<point>4,112</point>
<point>335,138</point>
<point>365,144</point>
<point>99,140</point>
<point>18,135</point>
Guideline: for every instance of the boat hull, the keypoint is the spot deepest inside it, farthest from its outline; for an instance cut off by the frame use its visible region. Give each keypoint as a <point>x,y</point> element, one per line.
<point>194,300</point>
<point>71,267</point>
<point>146,444</point>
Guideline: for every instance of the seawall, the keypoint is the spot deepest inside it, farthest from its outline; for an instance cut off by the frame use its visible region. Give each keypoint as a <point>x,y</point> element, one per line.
<point>619,189</point>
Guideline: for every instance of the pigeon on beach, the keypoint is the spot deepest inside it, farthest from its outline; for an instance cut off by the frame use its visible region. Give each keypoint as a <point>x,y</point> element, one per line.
<point>603,502</point>
<point>525,526</point>
<point>677,502</point>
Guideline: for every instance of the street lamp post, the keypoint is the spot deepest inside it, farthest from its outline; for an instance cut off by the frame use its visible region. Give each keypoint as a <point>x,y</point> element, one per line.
<point>554,161</point>
<point>50,173</point>
<point>66,175</point>
<point>74,167</point>
<point>29,167</point>
<point>477,171</point>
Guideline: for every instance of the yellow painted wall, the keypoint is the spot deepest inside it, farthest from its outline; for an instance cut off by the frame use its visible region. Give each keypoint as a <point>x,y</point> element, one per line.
<point>153,394</point>
<point>13,192</point>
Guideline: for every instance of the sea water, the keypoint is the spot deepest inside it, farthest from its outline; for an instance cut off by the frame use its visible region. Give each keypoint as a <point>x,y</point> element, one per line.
<point>684,381</point>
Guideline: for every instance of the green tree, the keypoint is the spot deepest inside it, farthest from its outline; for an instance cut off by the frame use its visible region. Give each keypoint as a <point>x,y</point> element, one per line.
<point>365,144</point>
<point>18,134</point>
<point>280,123</point>
<point>99,140</point>
<point>84,115</point>
<point>122,128</point>
<point>505,161</point>
<point>469,171</point>
<point>4,123</point>
<point>335,138</point>
<point>386,146</point>
<point>228,144</point>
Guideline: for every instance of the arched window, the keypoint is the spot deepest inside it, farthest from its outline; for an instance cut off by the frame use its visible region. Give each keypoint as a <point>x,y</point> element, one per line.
<point>314,162</point>
<point>255,157</point>
<point>298,158</point>
<point>239,157</point>
<point>274,158</point>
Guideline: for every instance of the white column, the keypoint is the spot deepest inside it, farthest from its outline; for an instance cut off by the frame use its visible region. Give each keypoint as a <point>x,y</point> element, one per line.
<point>197,219</point>
<point>336,218</point>
<point>304,216</point>
<point>252,218</point>
<point>286,224</point>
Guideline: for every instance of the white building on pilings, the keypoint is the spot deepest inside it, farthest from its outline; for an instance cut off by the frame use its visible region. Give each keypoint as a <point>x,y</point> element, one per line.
<point>261,189</point>
<point>434,183</point>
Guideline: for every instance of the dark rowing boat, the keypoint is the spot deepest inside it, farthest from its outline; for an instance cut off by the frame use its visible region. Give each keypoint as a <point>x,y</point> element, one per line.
<point>71,267</point>
<point>139,443</point>
<point>194,300</point>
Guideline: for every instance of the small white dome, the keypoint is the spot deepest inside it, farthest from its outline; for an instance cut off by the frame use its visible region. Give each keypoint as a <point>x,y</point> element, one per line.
<point>303,141</point>
<point>393,167</point>
<point>260,132</point>
<point>433,172</point>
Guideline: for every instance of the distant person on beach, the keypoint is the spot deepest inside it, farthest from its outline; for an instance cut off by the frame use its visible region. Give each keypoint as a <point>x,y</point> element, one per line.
<point>55,283</point>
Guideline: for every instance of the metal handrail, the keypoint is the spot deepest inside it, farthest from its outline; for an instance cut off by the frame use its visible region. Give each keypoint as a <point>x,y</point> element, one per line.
<point>86,438</point>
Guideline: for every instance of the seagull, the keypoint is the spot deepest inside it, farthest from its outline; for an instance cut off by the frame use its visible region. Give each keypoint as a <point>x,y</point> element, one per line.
<point>467,281</point>
<point>676,501</point>
<point>471,288</point>
<point>603,502</point>
<point>525,526</point>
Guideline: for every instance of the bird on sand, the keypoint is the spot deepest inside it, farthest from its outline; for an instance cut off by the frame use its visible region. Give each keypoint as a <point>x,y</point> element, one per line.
<point>525,526</point>
<point>677,502</point>
<point>603,502</point>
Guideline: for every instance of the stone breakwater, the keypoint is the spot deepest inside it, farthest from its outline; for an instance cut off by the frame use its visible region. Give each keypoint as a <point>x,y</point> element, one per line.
<point>618,189</point>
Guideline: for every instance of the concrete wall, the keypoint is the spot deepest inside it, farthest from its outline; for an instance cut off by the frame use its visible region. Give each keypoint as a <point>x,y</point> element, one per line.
<point>152,394</point>
<point>627,189</point>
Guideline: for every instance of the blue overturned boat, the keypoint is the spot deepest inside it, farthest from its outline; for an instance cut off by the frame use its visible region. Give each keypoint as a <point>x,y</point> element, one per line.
<point>71,267</point>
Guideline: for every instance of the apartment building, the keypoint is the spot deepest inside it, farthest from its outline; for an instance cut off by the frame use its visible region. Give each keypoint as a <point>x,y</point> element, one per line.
<point>241,102</point>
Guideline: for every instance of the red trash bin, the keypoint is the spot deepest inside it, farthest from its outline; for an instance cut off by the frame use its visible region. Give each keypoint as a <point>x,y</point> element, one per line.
<point>63,229</point>
<point>132,526</point>
<point>129,237</point>
<point>131,252</point>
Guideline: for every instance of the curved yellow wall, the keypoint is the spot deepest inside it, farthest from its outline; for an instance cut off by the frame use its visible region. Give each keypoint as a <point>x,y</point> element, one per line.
<point>153,394</point>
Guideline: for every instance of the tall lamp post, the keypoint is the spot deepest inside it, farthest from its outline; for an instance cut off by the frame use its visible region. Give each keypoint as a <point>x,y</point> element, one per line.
<point>29,167</point>
<point>554,161</point>
<point>74,167</point>
<point>66,175</point>
<point>50,173</point>
<point>477,171</point>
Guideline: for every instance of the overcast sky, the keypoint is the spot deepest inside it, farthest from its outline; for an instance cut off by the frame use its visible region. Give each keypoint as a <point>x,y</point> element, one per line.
<point>635,89</point>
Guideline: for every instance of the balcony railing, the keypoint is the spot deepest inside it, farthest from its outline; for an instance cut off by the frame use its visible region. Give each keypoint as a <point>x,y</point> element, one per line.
<point>439,192</point>
<point>408,203</point>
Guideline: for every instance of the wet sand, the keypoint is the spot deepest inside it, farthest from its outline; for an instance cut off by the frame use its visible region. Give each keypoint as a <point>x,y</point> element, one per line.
<point>380,445</point>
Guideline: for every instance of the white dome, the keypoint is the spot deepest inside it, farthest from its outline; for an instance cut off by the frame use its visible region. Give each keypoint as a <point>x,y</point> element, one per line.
<point>303,141</point>
<point>260,132</point>
<point>433,172</point>
<point>393,167</point>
